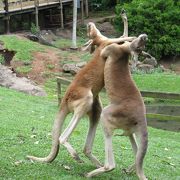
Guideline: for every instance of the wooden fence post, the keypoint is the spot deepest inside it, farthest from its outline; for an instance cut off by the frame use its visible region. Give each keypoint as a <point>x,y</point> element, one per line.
<point>61,13</point>
<point>7,17</point>
<point>36,13</point>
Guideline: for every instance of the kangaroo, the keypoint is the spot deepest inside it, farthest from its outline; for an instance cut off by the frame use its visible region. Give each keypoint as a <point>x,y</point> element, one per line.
<point>126,109</point>
<point>82,98</point>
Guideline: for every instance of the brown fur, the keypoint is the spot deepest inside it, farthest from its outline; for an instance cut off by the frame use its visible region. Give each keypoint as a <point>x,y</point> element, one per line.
<point>82,98</point>
<point>126,110</point>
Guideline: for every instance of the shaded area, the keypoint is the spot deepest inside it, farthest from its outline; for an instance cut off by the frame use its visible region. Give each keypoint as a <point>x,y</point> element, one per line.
<point>165,125</point>
<point>171,110</point>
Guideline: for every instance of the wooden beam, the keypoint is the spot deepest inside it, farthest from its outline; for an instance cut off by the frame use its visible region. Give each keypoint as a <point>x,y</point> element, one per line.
<point>161,95</point>
<point>163,117</point>
<point>7,16</point>
<point>36,13</point>
<point>61,13</point>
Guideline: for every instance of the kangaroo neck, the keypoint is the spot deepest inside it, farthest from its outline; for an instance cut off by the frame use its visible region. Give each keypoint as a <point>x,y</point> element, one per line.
<point>118,81</point>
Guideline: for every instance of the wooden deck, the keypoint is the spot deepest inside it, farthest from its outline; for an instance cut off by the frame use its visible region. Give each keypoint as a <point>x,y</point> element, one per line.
<point>25,5</point>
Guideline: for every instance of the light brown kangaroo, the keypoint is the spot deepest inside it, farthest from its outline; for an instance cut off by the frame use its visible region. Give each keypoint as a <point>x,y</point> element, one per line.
<point>82,98</point>
<point>126,110</point>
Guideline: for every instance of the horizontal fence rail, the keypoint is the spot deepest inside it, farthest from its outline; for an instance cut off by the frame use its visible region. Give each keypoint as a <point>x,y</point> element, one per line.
<point>154,112</point>
<point>152,94</point>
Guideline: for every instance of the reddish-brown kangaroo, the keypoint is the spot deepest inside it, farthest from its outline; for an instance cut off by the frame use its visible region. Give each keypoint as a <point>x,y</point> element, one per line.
<point>82,98</point>
<point>126,109</point>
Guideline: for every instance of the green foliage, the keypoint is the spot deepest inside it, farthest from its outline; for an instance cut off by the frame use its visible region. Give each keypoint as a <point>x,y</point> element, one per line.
<point>99,4</point>
<point>21,46</point>
<point>34,30</point>
<point>2,60</point>
<point>158,19</point>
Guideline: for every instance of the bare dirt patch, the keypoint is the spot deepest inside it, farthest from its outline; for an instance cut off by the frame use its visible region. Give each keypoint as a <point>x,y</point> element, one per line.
<point>44,63</point>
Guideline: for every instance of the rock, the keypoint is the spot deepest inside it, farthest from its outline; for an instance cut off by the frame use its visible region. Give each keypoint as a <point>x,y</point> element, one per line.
<point>72,68</point>
<point>151,61</point>
<point>10,80</point>
<point>145,67</point>
<point>164,69</point>
<point>81,64</point>
<point>43,37</point>
<point>32,37</point>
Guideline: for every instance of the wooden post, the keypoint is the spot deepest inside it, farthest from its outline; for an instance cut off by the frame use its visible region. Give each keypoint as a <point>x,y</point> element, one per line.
<point>74,44</point>
<point>36,13</point>
<point>87,8</point>
<point>7,18</point>
<point>21,4</point>
<point>61,13</point>
<point>82,12</point>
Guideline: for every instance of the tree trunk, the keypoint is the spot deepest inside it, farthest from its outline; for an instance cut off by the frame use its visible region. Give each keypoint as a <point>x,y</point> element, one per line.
<point>74,46</point>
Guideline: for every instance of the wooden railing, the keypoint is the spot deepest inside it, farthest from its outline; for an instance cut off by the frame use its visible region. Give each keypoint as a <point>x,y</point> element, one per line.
<point>15,5</point>
<point>162,113</point>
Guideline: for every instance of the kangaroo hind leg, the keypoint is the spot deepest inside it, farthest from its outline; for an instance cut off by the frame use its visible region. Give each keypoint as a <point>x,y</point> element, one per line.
<point>81,107</point>
<point>94,116</point>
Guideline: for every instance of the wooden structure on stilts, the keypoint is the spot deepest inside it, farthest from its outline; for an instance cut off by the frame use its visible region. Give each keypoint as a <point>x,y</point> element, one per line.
<point>9,8</point>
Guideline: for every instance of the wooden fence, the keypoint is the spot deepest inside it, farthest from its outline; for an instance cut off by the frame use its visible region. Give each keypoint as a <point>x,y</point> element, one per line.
<point>164,113</point>
<point>18,5</point>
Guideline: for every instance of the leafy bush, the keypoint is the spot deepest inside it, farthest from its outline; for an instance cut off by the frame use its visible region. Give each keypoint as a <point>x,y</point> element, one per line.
<point>158,19</point>
<point>34,30</point>
<point>105,4</point>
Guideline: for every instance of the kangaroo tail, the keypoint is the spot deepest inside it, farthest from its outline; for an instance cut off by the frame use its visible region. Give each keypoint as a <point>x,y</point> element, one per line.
<point>56,131</point>
<point>143,144</point>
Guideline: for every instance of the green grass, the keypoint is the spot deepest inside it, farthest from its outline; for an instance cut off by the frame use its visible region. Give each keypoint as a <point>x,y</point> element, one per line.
<point>23,47</point>
<point>23,116</point>
<point>158,82</point>
<point>24,69</point>
<point>66,43</point>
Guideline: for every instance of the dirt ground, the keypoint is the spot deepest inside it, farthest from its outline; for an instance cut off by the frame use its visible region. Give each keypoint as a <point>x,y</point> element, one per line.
<point>44,62</point>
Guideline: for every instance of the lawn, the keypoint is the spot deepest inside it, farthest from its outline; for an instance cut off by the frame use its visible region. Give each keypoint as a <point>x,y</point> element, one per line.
<point>161,82</point>
<point>25,128</point>
<point>26,123</point>
<point>23,47</point>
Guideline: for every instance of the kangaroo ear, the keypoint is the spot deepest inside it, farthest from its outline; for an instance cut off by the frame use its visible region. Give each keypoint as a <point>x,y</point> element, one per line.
<point>106,51</point>
<point>87,46</point>
<point>90,29</point>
